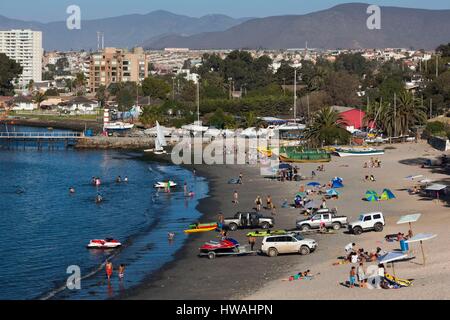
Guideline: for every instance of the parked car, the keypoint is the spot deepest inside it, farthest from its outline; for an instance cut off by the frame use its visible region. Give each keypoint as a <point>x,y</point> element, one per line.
<point>248,220</point>
<point>289,243</point>
<point>367,222</point>
<point>331,220</point>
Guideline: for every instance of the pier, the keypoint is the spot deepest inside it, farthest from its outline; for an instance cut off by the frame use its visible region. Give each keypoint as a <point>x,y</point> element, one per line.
<point>39,139</point>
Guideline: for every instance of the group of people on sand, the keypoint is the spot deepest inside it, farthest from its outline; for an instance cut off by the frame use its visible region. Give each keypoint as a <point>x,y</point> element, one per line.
<point>370,177</point>
<point>374,163</point>
<point>269,204</point>
<point>287,174</point>
<point>109,269</point>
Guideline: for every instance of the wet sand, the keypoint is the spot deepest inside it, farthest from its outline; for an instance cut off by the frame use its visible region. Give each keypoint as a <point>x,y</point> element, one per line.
<point>260,277</point>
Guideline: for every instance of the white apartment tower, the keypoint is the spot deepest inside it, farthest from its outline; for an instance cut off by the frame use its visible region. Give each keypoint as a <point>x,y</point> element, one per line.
<point>25,47</point>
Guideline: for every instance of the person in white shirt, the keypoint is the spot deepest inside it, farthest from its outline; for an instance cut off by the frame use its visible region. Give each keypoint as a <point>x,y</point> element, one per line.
<point>349,248</point>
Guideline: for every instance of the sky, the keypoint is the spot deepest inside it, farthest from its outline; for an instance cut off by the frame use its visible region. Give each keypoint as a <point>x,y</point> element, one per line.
<point>51,10</point>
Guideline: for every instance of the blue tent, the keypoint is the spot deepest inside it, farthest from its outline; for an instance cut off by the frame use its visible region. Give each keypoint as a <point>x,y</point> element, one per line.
<point>313,184</point>
<point>337,183</point>
<point>332,193</point>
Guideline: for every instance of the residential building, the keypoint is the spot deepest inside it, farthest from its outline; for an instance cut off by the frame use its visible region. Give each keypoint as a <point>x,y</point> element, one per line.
<point>116,65</point>
<point>25,47</point>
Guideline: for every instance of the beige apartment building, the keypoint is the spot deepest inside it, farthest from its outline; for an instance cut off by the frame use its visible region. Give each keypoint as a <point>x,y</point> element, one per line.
<point>117,65</point>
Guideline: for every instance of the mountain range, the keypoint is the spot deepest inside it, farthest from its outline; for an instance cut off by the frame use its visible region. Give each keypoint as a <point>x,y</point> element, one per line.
<point>124,31</point>
<point>342,26</point>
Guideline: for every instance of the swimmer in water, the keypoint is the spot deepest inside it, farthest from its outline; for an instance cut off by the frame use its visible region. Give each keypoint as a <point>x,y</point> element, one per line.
<point>71,190</point>
<point>98,199</point>
<point>119,179</point>
<point>125,179</point>
<point>171,236</point>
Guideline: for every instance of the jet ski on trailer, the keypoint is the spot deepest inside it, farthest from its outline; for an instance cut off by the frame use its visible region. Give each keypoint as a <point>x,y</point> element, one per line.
<point>107,243</point>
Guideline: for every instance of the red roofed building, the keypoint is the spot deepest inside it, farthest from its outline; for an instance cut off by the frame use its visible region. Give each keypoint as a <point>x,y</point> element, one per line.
<point>353,118</point>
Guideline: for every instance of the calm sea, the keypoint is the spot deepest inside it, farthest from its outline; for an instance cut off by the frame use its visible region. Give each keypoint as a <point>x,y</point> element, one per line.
<point>44,229</point>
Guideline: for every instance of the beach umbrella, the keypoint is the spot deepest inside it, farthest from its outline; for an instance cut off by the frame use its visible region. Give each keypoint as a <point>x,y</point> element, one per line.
<point>371,196</point>
<point>410,218</point>
<point>313,184</point>
<point>332,193</point>
<point>412,177</point>
<point>392,257</point>
<point>387,195</point>
<point>420,238</point>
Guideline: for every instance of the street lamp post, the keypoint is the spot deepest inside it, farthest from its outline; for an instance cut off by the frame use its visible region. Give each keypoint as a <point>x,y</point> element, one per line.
<point>295,95</point>
<point>198,101</point>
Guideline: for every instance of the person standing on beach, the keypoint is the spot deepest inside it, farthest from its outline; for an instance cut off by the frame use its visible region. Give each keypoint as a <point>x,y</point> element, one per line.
<point>258,203</point>
<point>221,219</point>
<point>352,277</point>
<point>361,275</point>
<point>235,197</point>
<point>241,176</point>
<point>252,242</point>
<point>269,202</point>
<point>109,270</point>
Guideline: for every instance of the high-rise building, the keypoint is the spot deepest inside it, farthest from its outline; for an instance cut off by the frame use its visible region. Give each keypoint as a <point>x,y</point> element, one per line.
<point>117,65</point>
<point>25,47</point>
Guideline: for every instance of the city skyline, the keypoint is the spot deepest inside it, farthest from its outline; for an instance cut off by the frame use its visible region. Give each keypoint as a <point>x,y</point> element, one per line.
<point>48,11</point>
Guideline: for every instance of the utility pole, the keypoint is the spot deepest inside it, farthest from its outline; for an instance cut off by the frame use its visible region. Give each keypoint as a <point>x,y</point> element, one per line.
<point>437,66</point>
<point>307,105</point>
<point>395,114</point>
<point>431,108</point>
<point>295,95</point>
<point>198,102</point>
<point>173,88</point>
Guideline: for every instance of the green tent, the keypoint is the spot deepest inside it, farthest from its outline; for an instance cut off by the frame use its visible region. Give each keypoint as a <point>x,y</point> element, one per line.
<point>371,196</point>
<point>387,195</point>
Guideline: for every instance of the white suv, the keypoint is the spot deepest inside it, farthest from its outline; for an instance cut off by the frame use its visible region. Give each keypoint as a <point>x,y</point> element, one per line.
<point>367,221</point>
<point>289,243</point>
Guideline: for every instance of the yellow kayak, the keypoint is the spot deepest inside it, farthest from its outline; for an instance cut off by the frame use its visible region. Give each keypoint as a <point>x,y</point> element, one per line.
<point>199,230</point>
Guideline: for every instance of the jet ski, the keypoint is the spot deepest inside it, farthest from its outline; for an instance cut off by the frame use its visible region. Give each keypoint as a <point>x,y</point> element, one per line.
<point>163,185</point>
<point>107,243</point>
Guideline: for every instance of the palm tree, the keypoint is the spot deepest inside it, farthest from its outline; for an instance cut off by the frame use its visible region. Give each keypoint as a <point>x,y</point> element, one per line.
<point>327,127</point>
<point>38,98</point>
<point>251,120</point>
<point>398,118</point>
<point>409,112</point>
<point>80,81</point>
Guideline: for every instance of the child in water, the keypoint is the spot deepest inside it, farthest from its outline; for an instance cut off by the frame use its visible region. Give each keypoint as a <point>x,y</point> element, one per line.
<point>121,271</point>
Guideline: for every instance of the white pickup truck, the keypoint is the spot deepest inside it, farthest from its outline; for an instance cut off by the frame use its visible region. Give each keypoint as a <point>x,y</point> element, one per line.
<point>366,222</point>
<point>330,220</point>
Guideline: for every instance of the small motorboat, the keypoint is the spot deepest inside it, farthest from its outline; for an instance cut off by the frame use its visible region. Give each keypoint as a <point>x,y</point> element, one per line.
<point>163,185</point>
<point>107,243</point>
<point>348,152</point>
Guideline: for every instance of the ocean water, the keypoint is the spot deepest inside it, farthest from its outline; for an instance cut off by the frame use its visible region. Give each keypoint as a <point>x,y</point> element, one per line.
<point>44,229</point>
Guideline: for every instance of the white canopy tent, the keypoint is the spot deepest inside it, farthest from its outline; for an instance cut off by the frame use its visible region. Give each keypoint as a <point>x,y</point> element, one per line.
<point>392,257</point>
<point>420,238</point>
<point>410,218</point>
<point>436,187</point>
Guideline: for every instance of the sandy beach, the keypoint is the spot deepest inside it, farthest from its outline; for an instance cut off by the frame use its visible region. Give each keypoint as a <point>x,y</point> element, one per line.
<point>261,277</point>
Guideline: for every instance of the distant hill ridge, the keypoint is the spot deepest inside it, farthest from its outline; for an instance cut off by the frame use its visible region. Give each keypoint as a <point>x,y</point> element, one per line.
<point>342,26</point>
<point>122,31</point>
